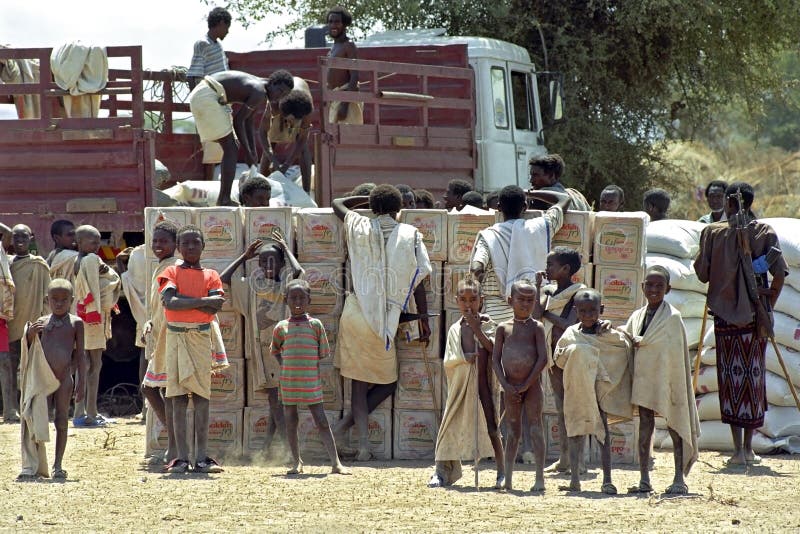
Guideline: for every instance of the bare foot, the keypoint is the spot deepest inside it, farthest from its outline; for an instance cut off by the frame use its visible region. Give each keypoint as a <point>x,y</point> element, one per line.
<point>296,469</point>
<point>573,486</point>
<point>538,486</point>
<point>737,459</point>
<point>340,470</point>
<point>501,481</point>
<point>752,458</point>
<point>363,455</point>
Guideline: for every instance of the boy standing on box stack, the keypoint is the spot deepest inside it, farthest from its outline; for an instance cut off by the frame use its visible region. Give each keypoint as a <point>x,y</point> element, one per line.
<point>740,328</point>
<point>469,341</point>
<point>388,260</point>
<point>162,242</point>
<point>519,356</point>
<point>597,383</point>
<point>31,277</point>
<point>53,348</point>
<point>61,258</point>
<point>261,299</point>
<point>555,308</point>
<point>97,289</point>
<point>191,296</point>
<point>662,380</point>
<point>299,343</point>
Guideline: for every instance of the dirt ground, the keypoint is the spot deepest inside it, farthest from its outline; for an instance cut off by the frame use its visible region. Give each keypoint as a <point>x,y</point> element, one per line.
<point>111,489</point>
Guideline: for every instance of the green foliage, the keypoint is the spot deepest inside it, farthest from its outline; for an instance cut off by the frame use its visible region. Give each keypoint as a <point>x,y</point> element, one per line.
<point>638,74</point>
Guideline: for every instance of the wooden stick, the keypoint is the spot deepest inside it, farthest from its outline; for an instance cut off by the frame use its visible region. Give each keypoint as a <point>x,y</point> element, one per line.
<point>700,346</point>
<point>785,371</point>
<point>477,414</point>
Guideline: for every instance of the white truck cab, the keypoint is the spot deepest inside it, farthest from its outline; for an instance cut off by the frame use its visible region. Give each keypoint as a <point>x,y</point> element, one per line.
<point>508,129</point>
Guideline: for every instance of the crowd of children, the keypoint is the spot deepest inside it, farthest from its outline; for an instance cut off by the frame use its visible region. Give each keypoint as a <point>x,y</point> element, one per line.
<point>56,334</point>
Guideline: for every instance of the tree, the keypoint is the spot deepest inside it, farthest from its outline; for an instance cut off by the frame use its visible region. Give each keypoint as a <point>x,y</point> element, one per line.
<point>637,73</point>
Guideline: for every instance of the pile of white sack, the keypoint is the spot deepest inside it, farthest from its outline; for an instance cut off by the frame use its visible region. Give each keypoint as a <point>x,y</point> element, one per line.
<point>286,190</point>
<point>674,244</point>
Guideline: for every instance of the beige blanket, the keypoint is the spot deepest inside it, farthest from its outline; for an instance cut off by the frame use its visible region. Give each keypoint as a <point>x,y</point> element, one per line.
<point>193,352</point>
<point>37,382</point>
<point>82,71</point>
<point>7,288</point>
<point>63,265</point>
<point>597,377</point>
<point>31,277</point>
<point>134,286</point>
<point>96,295</point>
<point>212,115</point>
<point>361,354</point>
<point>554,303</point>
<point>22,71</point>
<point>662,374</point>
<point>456,438</point>
<point>355,111</point>
<point>156,342</point>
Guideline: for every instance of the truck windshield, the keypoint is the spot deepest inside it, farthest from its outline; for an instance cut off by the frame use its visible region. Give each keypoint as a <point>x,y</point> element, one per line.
<point>521,92</point>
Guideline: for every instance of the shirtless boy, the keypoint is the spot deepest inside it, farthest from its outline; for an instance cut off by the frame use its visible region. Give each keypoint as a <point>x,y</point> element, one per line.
<point>338,20</point>
<point>209,102</point>
<point>555,308</point>
<point>519,356</point>
<point>61,334</point>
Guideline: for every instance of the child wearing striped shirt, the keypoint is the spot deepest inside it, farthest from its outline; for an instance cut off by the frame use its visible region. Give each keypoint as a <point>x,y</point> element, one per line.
<point>299,343</point>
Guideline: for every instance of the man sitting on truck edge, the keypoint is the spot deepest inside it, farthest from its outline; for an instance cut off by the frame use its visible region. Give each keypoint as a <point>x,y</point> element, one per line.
<point>209,58</point>
<point>546,174</point>
<point>339,19</point>
<point>210,103</point>
<point>284,133</point>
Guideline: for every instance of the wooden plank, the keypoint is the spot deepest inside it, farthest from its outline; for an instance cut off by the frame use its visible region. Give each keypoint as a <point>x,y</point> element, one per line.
<point>51,160</point>
<point>371,158</point>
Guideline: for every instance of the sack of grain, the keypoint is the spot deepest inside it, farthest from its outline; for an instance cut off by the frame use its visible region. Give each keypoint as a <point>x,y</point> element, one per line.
<point>674,237</point>
<point>681,272</point>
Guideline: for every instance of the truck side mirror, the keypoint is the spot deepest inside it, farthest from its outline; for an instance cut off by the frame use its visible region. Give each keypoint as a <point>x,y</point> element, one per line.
<point>556,94</point>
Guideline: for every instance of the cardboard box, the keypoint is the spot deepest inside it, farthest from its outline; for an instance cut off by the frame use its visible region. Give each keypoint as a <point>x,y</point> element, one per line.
<point>180,216</point>
<point>617,316</point>
<point>461,233</point>
<point>230,323</point>
<point>310,444</point>
<point>552,439</point>
<point>253,397</point>
<point>219,265</point>
<point>225,433</point>
<point>624,443</point>
<point>408,345</point>
<point>228,386</point>
<point>434,287</point>
<point>222,230</point>
<point>585,275</point>
<point>256,421</point>
<point>576,233</point>
<point>331,387</point>
<point>414,434</point>
<point>380,434</point>
<point>453,274</point>
<point>620,287</point>
<point>620,238</point>
<point>416,390</point>
<point>327,288</point>
<point>527,214</point>
<point>347,393</point>
<point>259,223</point>
<point>320,236</point>
<point>432,224</point>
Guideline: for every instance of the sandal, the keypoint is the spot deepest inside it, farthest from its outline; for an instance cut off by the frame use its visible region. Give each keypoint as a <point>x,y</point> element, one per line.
<point>177,466</point>
<point>677,489</point>
<point>608,488</point>
<point>209,465</point>
<point>59,474</point>
<point>642,487</point>
<point>26,477</point>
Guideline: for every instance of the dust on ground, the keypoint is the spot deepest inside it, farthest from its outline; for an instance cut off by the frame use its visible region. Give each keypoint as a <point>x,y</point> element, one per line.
<point>111,489</point>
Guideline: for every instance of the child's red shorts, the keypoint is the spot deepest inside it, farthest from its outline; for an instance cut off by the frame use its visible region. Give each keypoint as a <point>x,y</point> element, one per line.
<point>3,336</point>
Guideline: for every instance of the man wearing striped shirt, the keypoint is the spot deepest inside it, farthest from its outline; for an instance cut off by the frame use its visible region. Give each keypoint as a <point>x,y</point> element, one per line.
<point>209,58</point>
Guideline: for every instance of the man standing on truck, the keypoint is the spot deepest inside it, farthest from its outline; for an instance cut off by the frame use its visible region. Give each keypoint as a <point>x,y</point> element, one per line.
<point>284,133</point>
<point>338,20</point>
<point>209,58</point>
<point>210,103</point>
<point>546,174</point>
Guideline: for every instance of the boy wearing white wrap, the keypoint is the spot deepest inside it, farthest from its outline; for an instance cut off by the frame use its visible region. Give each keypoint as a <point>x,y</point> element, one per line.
<point>662,380</point>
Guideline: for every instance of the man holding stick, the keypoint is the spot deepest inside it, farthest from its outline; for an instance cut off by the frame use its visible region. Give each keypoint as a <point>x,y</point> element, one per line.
<point>740,252</point>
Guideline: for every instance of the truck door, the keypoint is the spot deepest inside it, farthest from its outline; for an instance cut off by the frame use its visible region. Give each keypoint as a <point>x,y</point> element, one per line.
<point>525,120</point>
<point>496,144</point>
